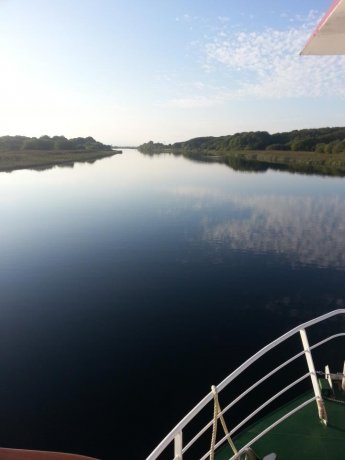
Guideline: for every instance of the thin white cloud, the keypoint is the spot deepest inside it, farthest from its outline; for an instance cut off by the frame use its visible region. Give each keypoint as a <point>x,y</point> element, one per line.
<point>223,19</point>
<point>270,62</point>
<point>194,102</point>
<point>265,65</point>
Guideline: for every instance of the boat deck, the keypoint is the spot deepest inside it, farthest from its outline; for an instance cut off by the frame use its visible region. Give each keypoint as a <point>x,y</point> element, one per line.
<point>302,436</point>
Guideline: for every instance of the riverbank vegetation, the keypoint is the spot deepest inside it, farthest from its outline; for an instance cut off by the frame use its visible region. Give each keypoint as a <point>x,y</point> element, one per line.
<point>37,159</point>
<point>46,143</point>
<point>320,151</point>
<point>19,152</point>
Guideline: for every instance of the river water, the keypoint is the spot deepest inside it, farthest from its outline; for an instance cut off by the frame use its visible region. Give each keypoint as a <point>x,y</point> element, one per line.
<point>130,285</point>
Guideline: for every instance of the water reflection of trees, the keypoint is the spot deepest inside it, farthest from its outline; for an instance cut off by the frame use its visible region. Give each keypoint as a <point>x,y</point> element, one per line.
<point>243,164</point>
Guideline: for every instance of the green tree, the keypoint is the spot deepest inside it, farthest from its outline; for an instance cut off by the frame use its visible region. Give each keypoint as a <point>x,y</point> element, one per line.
<point>320,148</point>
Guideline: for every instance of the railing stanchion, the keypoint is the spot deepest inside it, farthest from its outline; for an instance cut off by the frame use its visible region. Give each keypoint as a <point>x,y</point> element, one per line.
<point>178,446</point>
<point>319,401</point>
<point>175,435</point>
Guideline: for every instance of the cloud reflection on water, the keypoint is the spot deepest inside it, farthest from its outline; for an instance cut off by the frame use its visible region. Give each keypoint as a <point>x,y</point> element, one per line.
<point>307,230</point>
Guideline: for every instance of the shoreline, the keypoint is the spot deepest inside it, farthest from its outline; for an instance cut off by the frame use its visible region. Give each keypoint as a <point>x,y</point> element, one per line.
<point>37,159</point>
<point>326,164</point>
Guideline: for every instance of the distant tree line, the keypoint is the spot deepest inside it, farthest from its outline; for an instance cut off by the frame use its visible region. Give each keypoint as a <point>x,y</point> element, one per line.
<point>154,147</point>
<point>321,140</point>
<point>11,143</point>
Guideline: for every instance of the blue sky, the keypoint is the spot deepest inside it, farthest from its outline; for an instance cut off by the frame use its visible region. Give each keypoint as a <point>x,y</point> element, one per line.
<point>127,71</point>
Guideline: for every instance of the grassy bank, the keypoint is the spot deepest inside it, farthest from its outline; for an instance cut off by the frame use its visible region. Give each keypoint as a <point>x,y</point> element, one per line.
<point>12,160</point>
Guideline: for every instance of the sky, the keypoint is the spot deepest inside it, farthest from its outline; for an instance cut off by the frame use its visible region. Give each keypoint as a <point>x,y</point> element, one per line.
<point>130,71</point>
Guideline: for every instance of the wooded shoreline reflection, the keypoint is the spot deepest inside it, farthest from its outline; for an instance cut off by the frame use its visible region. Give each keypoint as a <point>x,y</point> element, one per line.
<point>262,161</point>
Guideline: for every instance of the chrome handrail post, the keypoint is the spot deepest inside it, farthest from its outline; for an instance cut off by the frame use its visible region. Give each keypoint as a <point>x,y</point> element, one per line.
<point>310,362</point>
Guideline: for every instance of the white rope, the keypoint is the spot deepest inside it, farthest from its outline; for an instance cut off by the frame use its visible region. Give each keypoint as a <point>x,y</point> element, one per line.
<point>218,412</point>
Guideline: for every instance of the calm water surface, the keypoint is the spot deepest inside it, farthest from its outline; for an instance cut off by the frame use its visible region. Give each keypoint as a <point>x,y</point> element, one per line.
<point>130,285</point>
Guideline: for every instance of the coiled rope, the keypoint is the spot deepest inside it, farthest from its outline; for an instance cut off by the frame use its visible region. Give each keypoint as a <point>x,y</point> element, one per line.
<point>218,412</point>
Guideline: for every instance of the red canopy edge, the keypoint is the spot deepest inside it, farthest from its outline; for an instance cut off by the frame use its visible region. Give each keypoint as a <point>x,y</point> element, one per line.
<point>323,21</point>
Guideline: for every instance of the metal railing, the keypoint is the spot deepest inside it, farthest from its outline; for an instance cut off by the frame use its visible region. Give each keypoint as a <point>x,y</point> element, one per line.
<point>176,435</point>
